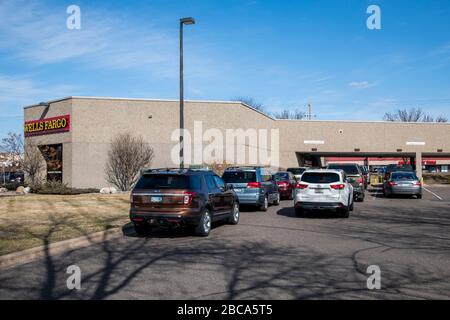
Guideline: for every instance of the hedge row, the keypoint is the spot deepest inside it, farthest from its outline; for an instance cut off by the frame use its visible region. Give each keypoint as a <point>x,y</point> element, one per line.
<point>437,178</point>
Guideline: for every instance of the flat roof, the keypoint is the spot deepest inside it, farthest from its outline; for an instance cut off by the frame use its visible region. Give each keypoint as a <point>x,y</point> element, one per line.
<point>235,102</point>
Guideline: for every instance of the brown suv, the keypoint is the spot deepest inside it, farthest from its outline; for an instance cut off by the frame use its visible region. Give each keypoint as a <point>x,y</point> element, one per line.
<point>182,197</point>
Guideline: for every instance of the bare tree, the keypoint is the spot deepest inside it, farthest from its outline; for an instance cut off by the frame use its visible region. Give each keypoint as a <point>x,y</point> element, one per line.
<point>127,156</point>
<point>219,168</point>
<point>412,115</point>
<point>33,164</point>
<point>441,119</point>
<point>251,102</point>
<point>287,114</point>
<point>12,145</point>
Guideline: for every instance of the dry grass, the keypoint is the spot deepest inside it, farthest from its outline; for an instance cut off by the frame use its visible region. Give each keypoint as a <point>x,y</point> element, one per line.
<point>34,220</point>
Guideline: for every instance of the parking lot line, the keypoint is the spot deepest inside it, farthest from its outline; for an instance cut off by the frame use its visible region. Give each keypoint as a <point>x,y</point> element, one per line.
<point>434,194</point>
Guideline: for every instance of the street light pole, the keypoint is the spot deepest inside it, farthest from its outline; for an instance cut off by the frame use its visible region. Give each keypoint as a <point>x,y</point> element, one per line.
<point>184,21</point>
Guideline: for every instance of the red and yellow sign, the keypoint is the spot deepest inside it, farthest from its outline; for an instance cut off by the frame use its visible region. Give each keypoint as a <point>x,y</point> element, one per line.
<point>47,126</point>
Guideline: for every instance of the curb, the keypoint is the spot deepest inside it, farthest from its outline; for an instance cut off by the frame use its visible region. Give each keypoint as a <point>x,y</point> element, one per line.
<point>26,256</point>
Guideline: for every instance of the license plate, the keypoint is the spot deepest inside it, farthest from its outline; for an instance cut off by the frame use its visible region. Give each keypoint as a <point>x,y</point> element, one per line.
<point>319,191</point>
<point>156,199</point>
<point>238,190</point>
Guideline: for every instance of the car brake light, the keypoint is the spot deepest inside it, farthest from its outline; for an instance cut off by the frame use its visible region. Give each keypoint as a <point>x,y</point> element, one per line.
<point>360,180</point>
<point>301,186</point>
<point>418,184</point>
<point>337,186</point>
<point>254,185</point>
<point>188,197</point>
<point>391,183</point>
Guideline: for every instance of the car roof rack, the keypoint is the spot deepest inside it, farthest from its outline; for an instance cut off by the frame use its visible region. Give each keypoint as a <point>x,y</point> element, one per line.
<point>175,170</point>
<point>244,167</point>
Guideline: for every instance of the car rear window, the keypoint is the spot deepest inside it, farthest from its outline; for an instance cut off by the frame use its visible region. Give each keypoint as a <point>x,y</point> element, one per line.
<point>281,176</point>
<point>404,176</point>
<point>348,168</point>
<point>320,177</point>
<point>167,181</point>
<point>296,170</point>
<point>393,167</point>
<point>239,176</point>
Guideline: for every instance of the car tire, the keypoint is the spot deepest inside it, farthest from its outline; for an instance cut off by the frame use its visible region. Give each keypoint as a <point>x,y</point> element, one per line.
<point>235,214</point>
<point>141,229</point>
<point>265,205</point>
<point>204,227</point>
<point>361,197</point>
<point>419,196</point>
<point>277,201</point>
<point>345,213</point>
<point>352,206</point>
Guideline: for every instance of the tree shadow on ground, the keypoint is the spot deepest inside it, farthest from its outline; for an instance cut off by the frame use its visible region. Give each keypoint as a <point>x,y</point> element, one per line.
<point>169,267</point>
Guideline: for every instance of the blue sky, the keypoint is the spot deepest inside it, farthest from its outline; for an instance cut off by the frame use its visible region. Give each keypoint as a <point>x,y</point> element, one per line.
<point>283,53</point>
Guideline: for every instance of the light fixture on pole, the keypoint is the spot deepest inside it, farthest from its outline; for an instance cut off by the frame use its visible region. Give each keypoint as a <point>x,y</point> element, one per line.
<point>183,21</point>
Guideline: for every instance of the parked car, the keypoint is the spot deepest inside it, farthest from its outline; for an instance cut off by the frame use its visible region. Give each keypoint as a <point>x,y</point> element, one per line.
<point>182,197</point>
<point>324,190</point>
<point>286,184</point>
<point>366,175</point>
<point>403,183</point>
<point>253,186</point>
<point>297,172</point>
<point>17,177</point>
<point>354,176</point>
<point>395,168</point>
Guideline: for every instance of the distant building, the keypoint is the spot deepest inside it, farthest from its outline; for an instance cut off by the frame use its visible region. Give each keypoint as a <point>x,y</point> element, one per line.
<point>74,134</point>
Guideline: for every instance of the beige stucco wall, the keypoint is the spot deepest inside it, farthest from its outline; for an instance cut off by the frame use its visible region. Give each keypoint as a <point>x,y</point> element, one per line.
<point>96,121</point>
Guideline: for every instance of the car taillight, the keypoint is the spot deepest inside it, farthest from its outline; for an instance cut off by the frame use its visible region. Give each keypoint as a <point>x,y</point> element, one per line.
<point>188,197</point>
<point>301,186</point>
<point>337,186</point>
<point>135,198</point>
<point>391,183</point>
<point>418,184</point>
<point>360,180</point>
<point>254,185</point>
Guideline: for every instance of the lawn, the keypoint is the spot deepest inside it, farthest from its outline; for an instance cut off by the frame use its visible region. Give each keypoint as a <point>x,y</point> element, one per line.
<point>33,220</point>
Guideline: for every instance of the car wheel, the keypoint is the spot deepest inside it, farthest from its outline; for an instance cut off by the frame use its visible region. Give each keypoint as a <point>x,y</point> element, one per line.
<point>419,196</point>
<point>235,214</point>
<point>345,212</point>
<point>277,200</point>
<point>265,204</point>
<point>204,228</point>
<point>352,206</point>
<point>141,229</point>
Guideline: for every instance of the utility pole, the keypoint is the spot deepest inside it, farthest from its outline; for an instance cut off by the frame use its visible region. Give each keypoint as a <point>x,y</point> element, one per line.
<point>183,21</point>
<point>310,112</point>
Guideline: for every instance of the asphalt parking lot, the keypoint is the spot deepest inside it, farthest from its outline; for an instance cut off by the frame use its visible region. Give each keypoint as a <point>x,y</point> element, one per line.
<point>272,255</point>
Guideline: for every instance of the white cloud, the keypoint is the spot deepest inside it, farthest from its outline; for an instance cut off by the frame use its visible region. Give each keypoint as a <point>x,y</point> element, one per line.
<point>362,84</point>
<point>39,36</point>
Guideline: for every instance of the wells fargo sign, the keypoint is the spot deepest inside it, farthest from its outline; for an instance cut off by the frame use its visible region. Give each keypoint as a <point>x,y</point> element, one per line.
<point>47,126</point>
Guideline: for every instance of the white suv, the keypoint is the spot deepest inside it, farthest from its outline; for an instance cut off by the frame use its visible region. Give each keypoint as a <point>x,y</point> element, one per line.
<point>324,190</point>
